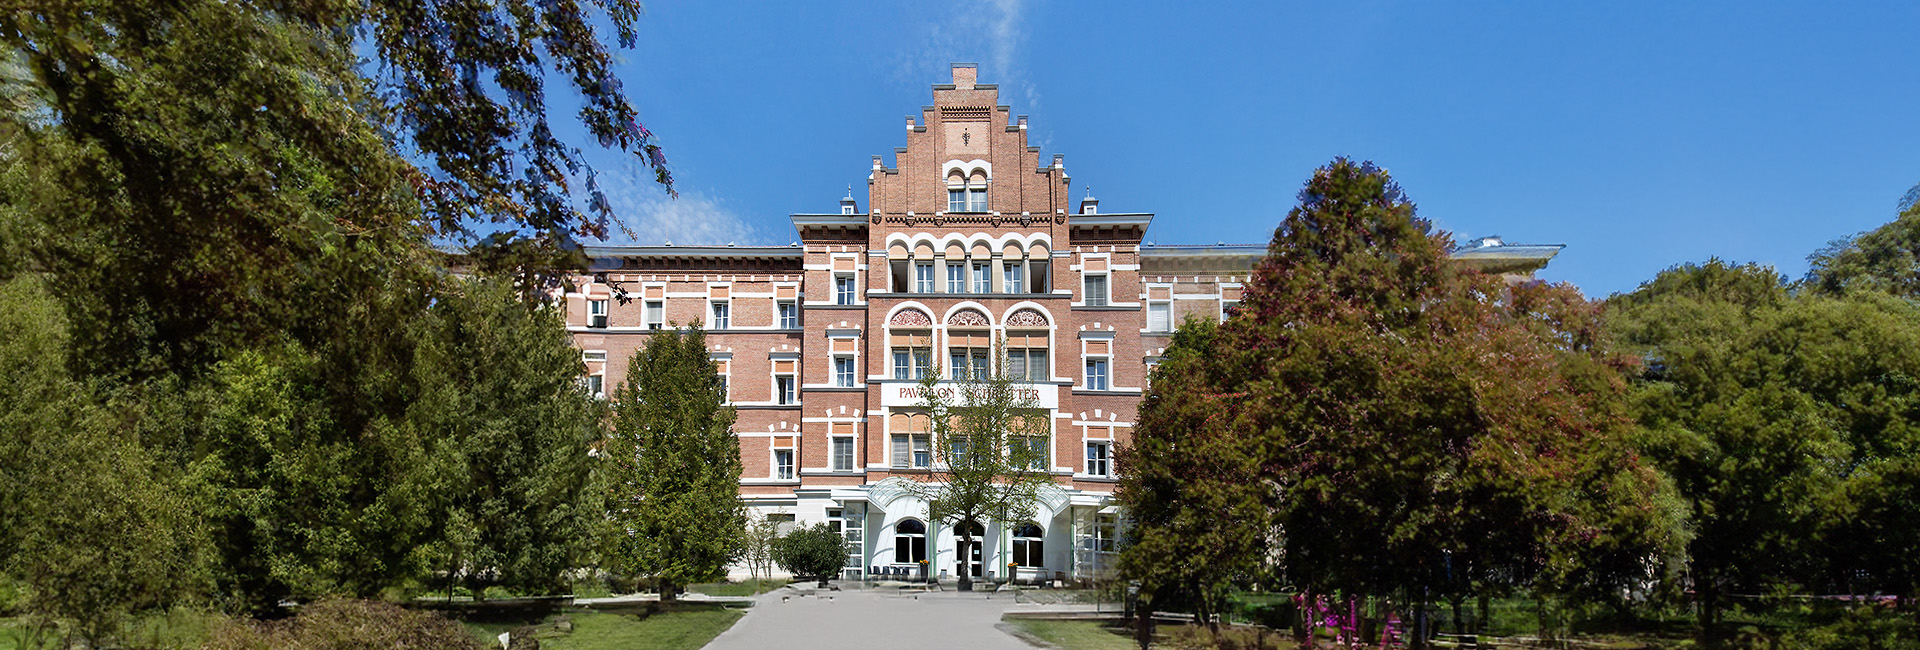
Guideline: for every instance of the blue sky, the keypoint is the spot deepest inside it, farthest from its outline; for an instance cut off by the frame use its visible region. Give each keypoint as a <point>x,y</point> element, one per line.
<point>1639,134</point>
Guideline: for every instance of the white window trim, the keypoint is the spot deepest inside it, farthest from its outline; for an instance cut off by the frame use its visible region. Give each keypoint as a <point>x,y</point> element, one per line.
<point>853,455</point>
<point>833,363</point>
<point>1086,295</point>
<point>779,321</point>
<point>713,315</point>
<point>853,293</point>
<point>604,312</point>
<point>773,464</point>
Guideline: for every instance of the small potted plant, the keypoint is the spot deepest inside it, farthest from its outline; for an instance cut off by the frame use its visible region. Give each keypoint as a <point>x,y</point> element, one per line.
<point>923,569</point>
<point>1013,573</point>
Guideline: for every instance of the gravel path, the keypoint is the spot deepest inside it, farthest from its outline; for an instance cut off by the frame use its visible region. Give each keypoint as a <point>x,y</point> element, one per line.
<point>873,620</point>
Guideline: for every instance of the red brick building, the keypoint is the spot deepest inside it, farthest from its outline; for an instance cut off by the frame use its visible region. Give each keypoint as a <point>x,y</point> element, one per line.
<point>968,238</point>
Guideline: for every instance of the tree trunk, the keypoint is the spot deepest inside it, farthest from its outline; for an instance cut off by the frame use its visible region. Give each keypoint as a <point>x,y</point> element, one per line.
<point>965,565</point>
<point>1459,624</point>
<point>1485,611</point>
<point>667,590</point>
<point>1707,599</point>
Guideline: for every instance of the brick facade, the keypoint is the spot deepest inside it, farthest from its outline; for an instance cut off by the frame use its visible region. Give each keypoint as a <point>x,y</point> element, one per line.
<point>966,195</point>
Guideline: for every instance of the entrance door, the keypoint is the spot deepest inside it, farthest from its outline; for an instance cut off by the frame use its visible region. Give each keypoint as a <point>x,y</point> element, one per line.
<point>967,554</point>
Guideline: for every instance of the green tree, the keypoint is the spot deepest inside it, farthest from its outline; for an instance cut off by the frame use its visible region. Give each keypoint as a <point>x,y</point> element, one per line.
<point>1787,420</point>
<point>87,522</point>
<point>1886,258</point>
<point>757,553</point>
<point>235,213</point>
<point>509,427</point>
<point>1408,426</point>
<point>991,445</point>
<point>815,552</point>
<point>1201,516</point>
<point>674,466</point>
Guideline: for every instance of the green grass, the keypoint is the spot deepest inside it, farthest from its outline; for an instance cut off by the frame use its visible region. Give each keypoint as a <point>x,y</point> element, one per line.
<point>683,627</point>
<point>1073,635</point>
<point>178,629</point>
<point>743,588</point>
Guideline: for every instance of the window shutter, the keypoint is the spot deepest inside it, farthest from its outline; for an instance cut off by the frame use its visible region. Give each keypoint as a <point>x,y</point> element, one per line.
<point>900,451</point>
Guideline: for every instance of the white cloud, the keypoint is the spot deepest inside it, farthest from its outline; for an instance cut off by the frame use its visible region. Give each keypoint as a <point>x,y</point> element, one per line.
<point>644,214</point>
<point>990,32</point>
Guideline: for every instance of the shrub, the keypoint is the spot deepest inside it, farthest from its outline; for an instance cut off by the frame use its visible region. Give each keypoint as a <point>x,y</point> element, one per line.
<point>347,625</point>
<point>815,552</point>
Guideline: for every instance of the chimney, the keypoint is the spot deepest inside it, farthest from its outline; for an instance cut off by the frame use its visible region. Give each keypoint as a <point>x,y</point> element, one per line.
<point>964,75</point>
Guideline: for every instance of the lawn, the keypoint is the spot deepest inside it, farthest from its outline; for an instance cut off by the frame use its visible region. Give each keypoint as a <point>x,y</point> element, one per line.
<point>742,588</point>
<point>683,627</point>
<point>1073,635</point>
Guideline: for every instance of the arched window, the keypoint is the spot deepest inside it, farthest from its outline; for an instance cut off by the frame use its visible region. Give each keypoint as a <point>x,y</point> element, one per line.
<point>1028,549</point>
<point>977,192</point>
<point>969,345</point>
<point>909,542</point>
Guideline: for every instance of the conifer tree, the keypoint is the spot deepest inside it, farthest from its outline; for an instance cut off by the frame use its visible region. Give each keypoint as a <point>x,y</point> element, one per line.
<point>673,466</point>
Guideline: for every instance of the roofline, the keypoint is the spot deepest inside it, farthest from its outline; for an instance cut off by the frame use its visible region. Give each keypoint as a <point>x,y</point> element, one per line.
<point>1141,219</point>
<point>1203,250</point>
<point>1509,252</point>
<point>751,252</point>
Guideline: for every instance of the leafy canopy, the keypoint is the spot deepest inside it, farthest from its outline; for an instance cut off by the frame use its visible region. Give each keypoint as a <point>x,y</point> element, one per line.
<point>1377,420</point>
<point>673,466</point>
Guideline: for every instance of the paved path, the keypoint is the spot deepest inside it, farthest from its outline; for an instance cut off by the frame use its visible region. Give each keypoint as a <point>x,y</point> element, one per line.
<point>874,620</point>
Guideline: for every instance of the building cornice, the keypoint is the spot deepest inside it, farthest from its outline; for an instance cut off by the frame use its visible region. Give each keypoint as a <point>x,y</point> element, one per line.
<point>667,251</point>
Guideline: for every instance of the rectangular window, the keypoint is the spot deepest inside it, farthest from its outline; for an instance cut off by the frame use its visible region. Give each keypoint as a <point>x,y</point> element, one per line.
<point>968,363</point>
<point>1029,452</point>
<point>979,196</point>
<point>923,277</point>
<point>1028,364</point>
<point>956,200</point>
<point>912,450</point>
<point>656,315</point>
<point>1228,308</point>
<point>956,277</point>
<point>1159,316</point>
<point>596,385</point>
<point>842,454</point>
<point>843,372</point>
<point>783,464</point>
<point>912,363</point>
<point>1096,290</point>
<point>593,355</point>
<point>982,277</point>
<point>720,315</point>
<point>1097,374</point>
<point>789,315</point>
<point>1038,276</point>
<point>922,362</point>
<point>1014,281</point>
<point>783,389</point>
<point>1099,458</point>
<point>843,289</point>
<point>898,280</point>
<point>596,313</point>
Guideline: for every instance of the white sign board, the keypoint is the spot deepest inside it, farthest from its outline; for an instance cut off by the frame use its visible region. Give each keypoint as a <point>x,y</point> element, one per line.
<point>1046,396</point>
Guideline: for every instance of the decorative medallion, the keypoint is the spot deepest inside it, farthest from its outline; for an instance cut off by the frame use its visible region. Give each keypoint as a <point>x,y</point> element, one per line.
<point>1026,318</point>
<point>968,318</point>
<point>910,318</point>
